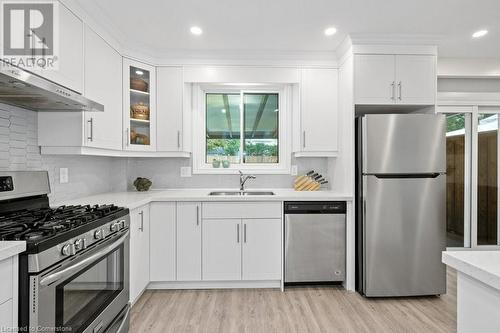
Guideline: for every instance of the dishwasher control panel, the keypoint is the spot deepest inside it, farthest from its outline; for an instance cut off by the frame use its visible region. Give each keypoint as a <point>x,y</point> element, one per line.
<point>315,207</point>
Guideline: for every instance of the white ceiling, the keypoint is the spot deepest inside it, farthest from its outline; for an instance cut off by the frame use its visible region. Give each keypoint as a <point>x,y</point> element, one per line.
<point>160,27</point>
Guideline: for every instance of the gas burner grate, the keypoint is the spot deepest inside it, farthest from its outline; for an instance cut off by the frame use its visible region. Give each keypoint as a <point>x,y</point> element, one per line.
<point>42,223</point>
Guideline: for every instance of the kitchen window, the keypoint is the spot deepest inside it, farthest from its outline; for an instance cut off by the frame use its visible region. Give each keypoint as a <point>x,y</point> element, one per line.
<point>240,129</point>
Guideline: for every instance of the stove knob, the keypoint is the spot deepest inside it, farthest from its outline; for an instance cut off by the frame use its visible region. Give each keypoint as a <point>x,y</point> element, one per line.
<point>79,244</point>
<point>68,250</point>
<point>122,224</point>
<point>98,234</point>
<point>113,226</point>
<point>84,243</point>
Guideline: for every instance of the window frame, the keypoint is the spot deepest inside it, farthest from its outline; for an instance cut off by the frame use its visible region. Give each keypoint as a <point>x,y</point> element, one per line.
<point>199,128</point>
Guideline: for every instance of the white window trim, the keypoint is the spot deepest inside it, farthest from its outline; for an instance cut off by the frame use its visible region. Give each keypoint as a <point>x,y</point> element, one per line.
<point>199,129</point>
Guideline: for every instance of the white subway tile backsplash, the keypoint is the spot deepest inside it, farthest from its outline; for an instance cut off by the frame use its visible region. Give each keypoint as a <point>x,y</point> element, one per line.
<point>19,151</point>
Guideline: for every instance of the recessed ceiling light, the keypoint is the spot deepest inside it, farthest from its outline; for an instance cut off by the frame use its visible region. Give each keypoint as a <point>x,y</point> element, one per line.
<point>480,33</point>
<point>196,30</point>
<point>330,31</point>
<point>138,72</point>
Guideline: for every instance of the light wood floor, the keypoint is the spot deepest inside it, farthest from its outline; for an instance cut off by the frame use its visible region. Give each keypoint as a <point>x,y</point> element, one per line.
<point>303,309</point>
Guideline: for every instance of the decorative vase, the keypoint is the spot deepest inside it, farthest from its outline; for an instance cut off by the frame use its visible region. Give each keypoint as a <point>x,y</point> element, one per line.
<point>215,163</point>
<point>225,164</point>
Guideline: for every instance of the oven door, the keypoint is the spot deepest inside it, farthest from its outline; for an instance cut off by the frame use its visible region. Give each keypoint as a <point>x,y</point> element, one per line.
<point>86,293</point>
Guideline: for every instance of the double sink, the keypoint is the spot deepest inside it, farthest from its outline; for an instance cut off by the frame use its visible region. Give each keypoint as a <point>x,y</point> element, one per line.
<point>239,193</point>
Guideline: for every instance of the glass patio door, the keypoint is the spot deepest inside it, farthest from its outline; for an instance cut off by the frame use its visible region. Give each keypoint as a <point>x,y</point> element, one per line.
<point>485,168</point>
<point>458,154</point>
<point>472,152</point>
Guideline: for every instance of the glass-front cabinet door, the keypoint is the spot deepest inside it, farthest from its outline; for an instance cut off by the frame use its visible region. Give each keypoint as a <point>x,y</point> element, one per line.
<point>139,84</point>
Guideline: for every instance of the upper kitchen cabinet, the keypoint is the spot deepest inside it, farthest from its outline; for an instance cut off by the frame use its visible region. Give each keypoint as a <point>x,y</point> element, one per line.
<point>139,106</point>
<point>374,79</point>
<point>64,131</point>
<point>103,77</point>
<point>169,109</point>
<point>318,112</point>
<point>70,58</point>
<point>416,79</point>
<point>381,79</point>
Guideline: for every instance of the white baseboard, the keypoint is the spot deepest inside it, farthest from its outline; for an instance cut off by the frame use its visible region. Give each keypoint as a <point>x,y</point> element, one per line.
<point>214,284</point>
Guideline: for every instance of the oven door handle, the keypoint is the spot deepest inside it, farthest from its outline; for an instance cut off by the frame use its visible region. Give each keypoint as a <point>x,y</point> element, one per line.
<point>70,270</point>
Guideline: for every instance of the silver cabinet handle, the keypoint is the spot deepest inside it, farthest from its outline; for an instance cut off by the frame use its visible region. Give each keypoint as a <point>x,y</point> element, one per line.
<point>142,221</point>
<point>179,139</point>
<point>244,232</point>
<point>91,123</point>
<point>197,215</point>
<point>238,233</point>
<point>303,139</point>
<point>400,89</point>
<point>393,92</point>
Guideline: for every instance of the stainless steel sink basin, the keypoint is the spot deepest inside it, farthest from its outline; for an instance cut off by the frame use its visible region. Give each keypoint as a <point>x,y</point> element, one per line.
<point>222,193</point>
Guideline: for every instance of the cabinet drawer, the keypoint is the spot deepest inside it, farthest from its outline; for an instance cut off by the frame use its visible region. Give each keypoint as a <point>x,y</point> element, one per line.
<point>6,267</point>
<point>241,210</point>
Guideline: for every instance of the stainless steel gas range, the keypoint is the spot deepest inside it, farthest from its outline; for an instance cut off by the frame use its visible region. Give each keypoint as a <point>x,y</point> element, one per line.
<point>74,275</point>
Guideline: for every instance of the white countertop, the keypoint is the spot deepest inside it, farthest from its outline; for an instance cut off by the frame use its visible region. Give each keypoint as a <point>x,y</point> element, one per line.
<point>481,265</point>
<point>135,199</point>
<point>11,248</point>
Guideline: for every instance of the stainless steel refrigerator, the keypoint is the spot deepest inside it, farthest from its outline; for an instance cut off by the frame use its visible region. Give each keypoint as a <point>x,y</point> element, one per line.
<point>401,204</point>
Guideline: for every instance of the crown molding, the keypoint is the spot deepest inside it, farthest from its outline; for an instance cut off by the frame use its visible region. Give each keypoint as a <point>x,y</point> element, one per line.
<point>396,39</point>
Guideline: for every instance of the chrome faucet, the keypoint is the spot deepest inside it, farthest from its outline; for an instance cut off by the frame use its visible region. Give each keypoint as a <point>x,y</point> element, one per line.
<point>243,179</point>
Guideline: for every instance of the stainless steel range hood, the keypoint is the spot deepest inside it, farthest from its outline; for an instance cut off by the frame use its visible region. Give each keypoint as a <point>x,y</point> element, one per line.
<point>27,90</point>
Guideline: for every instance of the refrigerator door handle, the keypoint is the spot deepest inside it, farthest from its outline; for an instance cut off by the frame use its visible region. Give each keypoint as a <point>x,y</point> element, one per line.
<point>406,175</point>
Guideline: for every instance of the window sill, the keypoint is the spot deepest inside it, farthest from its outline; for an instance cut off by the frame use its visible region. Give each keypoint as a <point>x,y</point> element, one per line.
<point>235,170</point>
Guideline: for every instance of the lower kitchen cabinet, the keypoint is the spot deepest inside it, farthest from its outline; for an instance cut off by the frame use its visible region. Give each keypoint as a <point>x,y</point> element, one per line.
<point>188,241</point>
<point>162,241</point>
<point>261,249</point>
<point>222,249</point>
<point>241,249</point>
<point>139,251</point>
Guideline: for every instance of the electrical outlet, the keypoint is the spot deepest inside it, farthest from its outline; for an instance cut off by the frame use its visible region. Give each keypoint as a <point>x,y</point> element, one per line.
<point>185,171</point>
<point>63,175</point>
<point>294,170</point>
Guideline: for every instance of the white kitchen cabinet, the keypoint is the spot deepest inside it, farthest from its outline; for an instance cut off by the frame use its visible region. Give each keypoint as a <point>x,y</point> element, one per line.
<point>139,251</point>
<point>188,241</point>
<point>103,83</point>
<point>416,79</point>
<point>261,249</point>
<point>222,249</point>
<point>241,249</point>
<point>103,77</point>
<point>162,241</point>
<point>139,106</point>
<point>9,275</point>
<point>169,108</point>
<point>318,112</point>
<point>241,241</point>
<point>70,58</point>
<point>394,79</point>
<point>374,79</point>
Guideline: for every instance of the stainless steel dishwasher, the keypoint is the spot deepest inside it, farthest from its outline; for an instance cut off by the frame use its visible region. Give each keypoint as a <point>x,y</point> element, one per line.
<point>315,241</point>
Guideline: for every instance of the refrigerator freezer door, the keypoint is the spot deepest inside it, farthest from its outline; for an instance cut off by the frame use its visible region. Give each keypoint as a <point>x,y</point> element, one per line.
<point>405,230</point>
<point>404,144</point>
